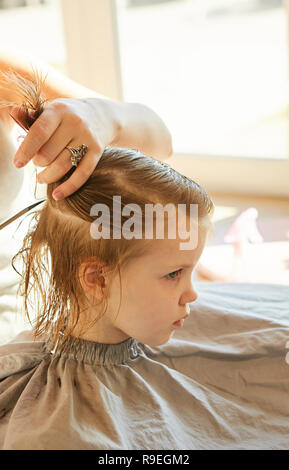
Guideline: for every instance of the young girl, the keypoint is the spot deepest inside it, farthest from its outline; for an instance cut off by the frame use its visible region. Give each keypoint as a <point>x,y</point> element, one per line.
<point>72,115</point>
<point>86,379</point>
<point>114,361</point>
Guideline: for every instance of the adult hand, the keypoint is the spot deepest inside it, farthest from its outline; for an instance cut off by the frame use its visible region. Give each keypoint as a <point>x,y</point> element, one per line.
<point>67,122</point>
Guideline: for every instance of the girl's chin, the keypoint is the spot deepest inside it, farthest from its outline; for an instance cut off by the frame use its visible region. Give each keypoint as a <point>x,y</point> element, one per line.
<point>158,342</point>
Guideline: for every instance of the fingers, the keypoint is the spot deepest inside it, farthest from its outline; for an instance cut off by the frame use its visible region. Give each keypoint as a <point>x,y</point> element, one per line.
<point>79,177</point>
<point>39,133</point>
<point>57,169</point>
<point>62,164</point>
<point>54,146</point>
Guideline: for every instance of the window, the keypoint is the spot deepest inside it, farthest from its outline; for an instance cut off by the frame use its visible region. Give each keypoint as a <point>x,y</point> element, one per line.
<point>215,70</point>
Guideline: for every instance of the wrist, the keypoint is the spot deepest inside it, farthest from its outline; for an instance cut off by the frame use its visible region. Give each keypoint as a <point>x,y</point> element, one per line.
<point>113,111</point>
<point>107,113</point>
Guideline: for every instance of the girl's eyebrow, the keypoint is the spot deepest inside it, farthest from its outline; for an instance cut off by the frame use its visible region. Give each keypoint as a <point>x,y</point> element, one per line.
<point>184,265</point>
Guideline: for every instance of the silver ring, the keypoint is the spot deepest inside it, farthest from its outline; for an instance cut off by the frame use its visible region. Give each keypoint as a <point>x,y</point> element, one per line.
<point>77,153</point>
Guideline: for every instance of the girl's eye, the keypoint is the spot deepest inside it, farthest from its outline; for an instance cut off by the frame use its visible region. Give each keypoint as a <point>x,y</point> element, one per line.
<point>173,275</point>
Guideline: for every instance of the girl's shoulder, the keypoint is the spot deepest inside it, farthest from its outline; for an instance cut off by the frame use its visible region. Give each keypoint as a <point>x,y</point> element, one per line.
<point>21,353</point>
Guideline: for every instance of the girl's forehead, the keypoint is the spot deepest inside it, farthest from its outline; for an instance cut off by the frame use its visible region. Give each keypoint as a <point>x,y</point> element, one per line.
<point>170,249</point>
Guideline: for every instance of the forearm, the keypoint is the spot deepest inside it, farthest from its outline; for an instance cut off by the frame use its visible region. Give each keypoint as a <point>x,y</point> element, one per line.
<point>141,128</point>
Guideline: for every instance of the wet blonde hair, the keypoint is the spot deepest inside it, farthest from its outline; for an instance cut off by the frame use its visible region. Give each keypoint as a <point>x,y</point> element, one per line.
<point>59,241</point>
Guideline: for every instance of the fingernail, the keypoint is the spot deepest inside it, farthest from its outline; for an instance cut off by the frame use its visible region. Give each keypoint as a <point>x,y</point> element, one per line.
<point>19,164</point>
<point>58,195</point>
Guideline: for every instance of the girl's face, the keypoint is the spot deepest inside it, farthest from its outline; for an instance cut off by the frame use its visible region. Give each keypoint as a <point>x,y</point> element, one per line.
<point>155,290</point>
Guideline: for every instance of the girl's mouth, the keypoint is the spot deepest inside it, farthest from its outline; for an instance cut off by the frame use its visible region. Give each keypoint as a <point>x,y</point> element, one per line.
<point>179,323</point>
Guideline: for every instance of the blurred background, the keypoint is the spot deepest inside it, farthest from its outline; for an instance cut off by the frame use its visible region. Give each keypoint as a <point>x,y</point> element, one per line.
<point>216,71</point>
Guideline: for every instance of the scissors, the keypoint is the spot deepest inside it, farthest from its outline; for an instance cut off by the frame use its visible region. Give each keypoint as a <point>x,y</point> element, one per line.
<point>19,214</point>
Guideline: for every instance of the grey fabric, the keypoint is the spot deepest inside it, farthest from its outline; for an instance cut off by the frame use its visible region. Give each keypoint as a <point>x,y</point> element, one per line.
<point>221,382</point>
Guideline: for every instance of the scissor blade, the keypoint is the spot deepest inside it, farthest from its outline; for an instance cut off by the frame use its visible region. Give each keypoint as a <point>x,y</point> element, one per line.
<point>9,221</point>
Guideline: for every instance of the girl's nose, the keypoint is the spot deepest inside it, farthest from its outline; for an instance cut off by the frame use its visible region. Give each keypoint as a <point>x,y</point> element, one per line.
<point>189,296</point>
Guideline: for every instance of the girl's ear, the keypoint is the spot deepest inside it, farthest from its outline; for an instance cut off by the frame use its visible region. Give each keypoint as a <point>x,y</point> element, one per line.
<point>92,277</point>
